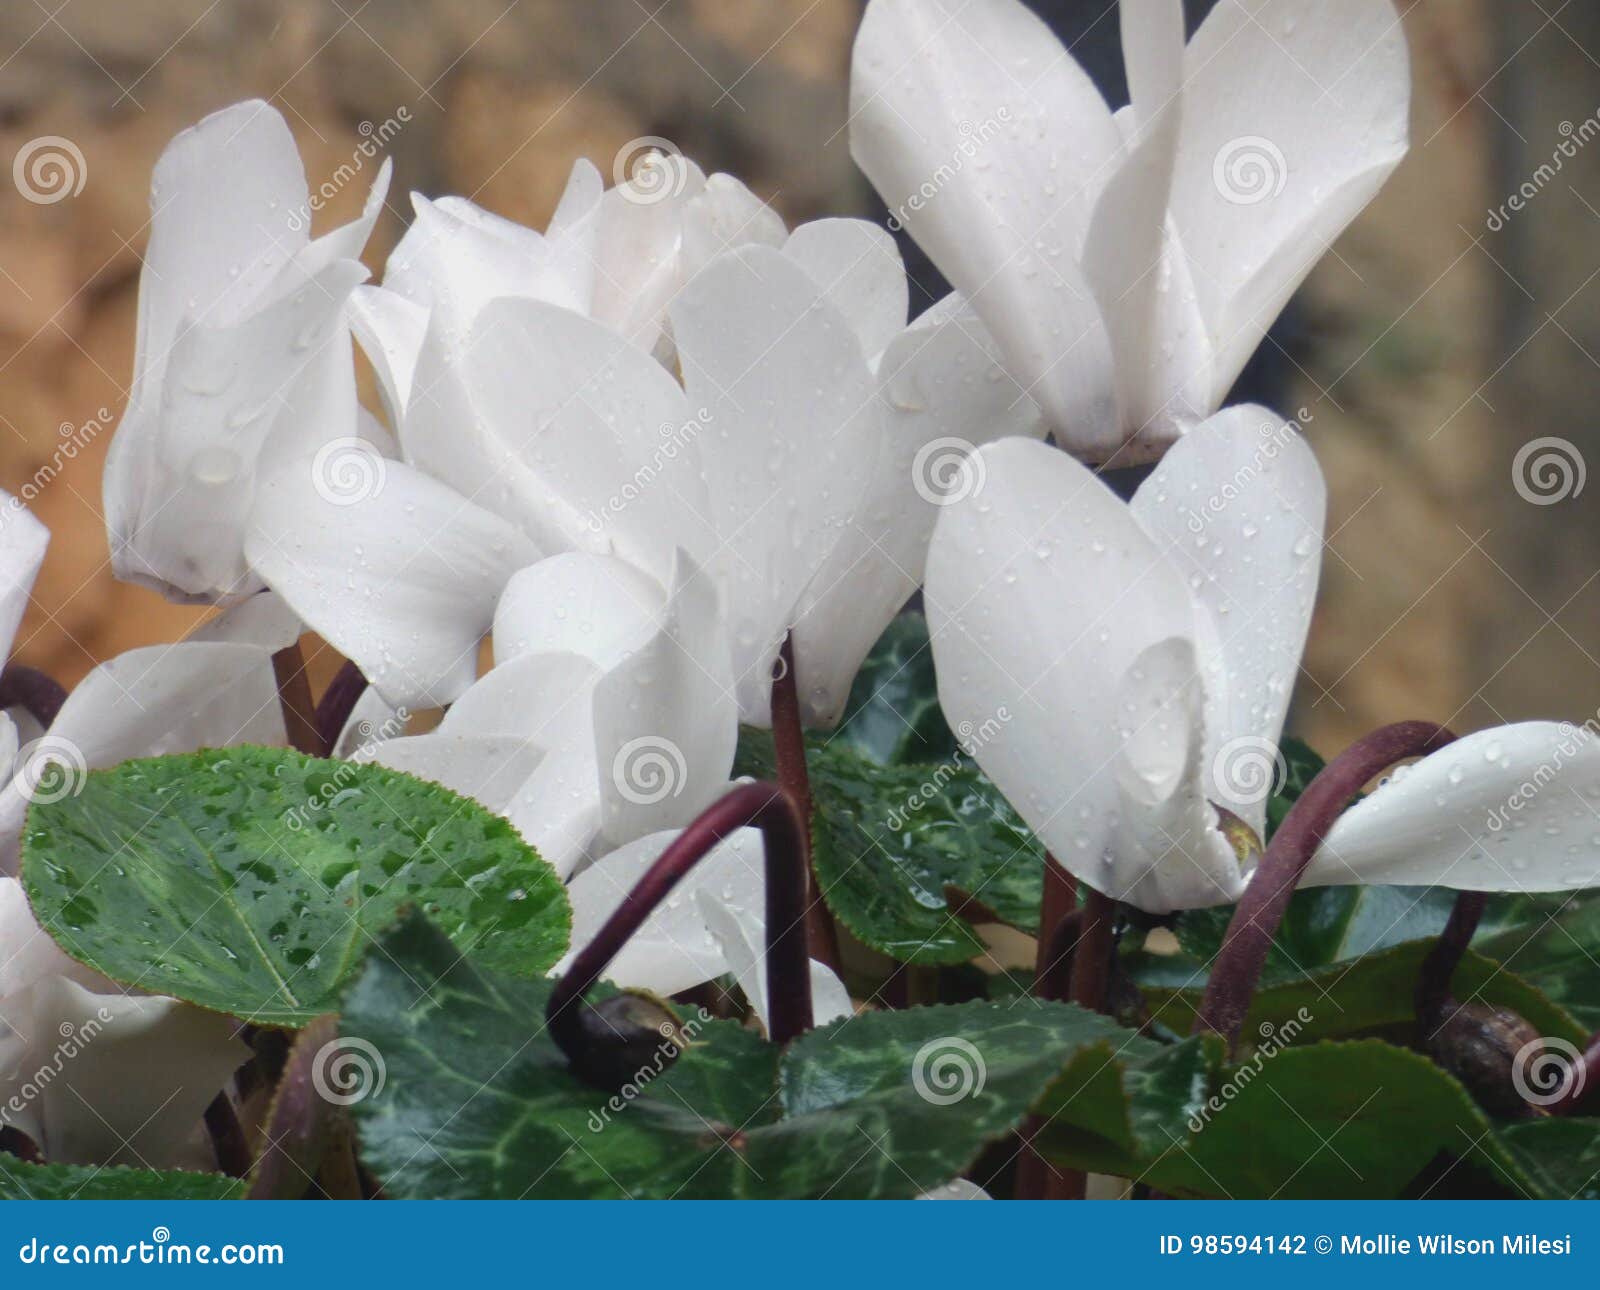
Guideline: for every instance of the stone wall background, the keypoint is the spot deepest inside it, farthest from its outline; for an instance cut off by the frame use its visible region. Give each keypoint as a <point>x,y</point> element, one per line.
<point>1428,348</point>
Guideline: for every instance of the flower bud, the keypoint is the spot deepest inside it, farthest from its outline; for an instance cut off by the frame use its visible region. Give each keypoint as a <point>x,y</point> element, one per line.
<point>1478,1044</point>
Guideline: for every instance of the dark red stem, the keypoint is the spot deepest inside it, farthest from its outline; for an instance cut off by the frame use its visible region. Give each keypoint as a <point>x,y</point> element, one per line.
<point>27,687</point>
<point>789,746</point>
<point>1433,981</point>
<point>294,697</point>
<point>338,701</point>
<point>764,806</point>
<point>227,1137</point>
<point>1237,969</point>
<point>1091,960</point>
<point>1058,900</point>
<point>1585,1079</point>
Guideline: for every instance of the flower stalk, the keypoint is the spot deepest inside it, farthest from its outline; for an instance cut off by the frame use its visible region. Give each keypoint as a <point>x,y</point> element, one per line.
<point>294,697</point>
<point>338,701</point>
<point>27,687</point>
<point>598,1041</point>
<point>1237,969</point>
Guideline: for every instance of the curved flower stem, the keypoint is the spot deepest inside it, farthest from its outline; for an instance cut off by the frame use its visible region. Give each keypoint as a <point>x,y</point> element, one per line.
<point>294,697</point>
<point>1586,1078</point>
<point>577,1027</point>
<point>789,745</point>
<point>1091,961</point>
<point>1237,969</point>
<point>227,1137</point>
<point>27,687</point>
<point>17,1143</point>
<point>1433,981</point>
<point>338,701</point>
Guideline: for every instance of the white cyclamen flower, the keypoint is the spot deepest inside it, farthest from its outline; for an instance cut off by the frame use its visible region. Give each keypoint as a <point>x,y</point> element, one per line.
<point>1129,264</point>
<point>1143,655</point>
<point>243,354</point>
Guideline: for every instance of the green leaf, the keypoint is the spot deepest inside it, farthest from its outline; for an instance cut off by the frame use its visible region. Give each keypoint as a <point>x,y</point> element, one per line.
<point>890,842</point>
<point>1302,764</point>
<point>478,1101</point>
<point>1330,1121</point>
<point>1560,1154</point>
<point>1557,946</point>
<point>893,714</point>
<point>19,1181</point>
<point>249,880</point>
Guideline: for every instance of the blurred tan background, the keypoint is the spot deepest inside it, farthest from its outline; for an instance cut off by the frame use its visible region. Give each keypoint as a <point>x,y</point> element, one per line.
<point>1429,348</point>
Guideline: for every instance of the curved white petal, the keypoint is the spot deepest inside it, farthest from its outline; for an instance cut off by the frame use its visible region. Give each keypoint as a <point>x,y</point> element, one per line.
<point>990,144</point>
<point>596,606</point>
<point>396,570</point>
<point>372,721</point>
<point>723,217</point>
<point>674,950</point>
<point>742,935</point>
<point>1041,589</point>
<point>1295,113</point>
<point>666,718</point>
<point>793,431</point>
<point>23,541</point>
<point>389,328</point>
<point>263,619</point>
<point>1515,808</point>
<point>487,768</point>
<point>1238,506</point>
<point>858,268</point>
<point>957,1189</point>
<point>943,390</point>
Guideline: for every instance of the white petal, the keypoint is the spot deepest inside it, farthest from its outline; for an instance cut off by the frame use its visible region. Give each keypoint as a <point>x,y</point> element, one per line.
<point>1041,589</point>
<point>943,390</point>
<point>372,721</point>
<point>742,934</point>
<point>724,217</point>
<point>666,719</point>
<point>389,329</point>
<point>397,571</point>
<point>638,261</point>
<point>1238,506</point>
<point>263,619</point>
<point>957,1189</point>
<point>23,540</point>
<point>1295,112</point>
<point>674,950</point>
<point>1515,808</point>
<point>28,955</point>
<point>858,267</point>
<point>488,768</point>
<point>595,606</point>
<point>990,144</point>
<point>792,434</point>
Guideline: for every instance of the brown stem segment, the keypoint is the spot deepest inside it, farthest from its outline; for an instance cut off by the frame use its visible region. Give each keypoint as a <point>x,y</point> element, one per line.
<point>789,745</point>
<point>1237,969</point>
<point>1583,1082</point>
<point>294,696</point>
<point>338,701</point>
<point>1060,929</point>
<point>575,1025</point>
<point>27,687</point>
<point>227,1137</point>
<point>1059,899</point>
<point>1433,981</point>
<point>1091,961</point>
